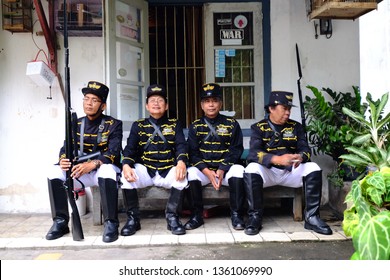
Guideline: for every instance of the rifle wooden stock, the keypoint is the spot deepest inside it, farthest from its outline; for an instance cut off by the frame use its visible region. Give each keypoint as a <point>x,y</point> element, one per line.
<point>70,139</point>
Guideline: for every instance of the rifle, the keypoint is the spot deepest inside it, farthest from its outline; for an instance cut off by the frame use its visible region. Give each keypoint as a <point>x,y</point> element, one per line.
<point>84,158</point>
<point>300,91</point>
<point>70,138</point>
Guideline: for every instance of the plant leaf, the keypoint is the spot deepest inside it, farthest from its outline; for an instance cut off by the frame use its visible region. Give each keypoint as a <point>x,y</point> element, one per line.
<point>384,121</point>
<point>360,152</point>
<point>380,106</point>
<point>350,221</point>
<point>376,188</point>
<point>372,239</point>
<point>356,116</point>
<point>354,161</point>
<point>363,139</point>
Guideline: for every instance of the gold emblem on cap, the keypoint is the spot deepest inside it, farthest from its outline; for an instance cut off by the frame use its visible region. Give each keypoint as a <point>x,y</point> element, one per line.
<point>289,97</point>
<point>209,87</point>
<point>94,85</point>
<point>156,89</point>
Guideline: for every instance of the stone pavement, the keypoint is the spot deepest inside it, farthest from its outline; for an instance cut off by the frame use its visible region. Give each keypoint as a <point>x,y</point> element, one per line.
<point>27,231</point>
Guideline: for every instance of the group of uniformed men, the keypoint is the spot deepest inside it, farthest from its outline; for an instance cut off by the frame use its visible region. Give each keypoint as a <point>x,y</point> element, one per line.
<point>158,154</point>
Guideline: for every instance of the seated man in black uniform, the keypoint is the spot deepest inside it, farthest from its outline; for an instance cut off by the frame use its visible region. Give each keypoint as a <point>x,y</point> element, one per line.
<point>280,155</point>
<point>215,147</point>
<point>155,155</point>
<point>96,132</point>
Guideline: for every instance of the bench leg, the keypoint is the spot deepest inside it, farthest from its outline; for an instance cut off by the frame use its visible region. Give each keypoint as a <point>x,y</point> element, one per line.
<point>297,204</point>
<point>96,207</point>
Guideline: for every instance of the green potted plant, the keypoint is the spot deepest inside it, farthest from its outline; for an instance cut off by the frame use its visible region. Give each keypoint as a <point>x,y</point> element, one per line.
<point>328,126</point>
<point>367,220</point>
<point>328,130</point>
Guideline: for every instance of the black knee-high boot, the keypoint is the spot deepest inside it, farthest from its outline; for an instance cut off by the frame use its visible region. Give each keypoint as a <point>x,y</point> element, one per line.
<point>312,184</point>
<point>196,204</point>
<point>109,200</point>
<point>254,192</point>
<point>132,205</point>
<point>237,198</point>
<point>172,212</point>
<point>59,209</point>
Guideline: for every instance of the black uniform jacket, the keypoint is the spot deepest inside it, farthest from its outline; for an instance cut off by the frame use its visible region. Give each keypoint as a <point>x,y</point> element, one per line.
<point>264,144</point>
<point>110,145</point>
<point>219,151</point>
<point>157,155</point>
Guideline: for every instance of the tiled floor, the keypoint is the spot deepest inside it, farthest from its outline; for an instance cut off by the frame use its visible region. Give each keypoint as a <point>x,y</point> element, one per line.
<point>29,230</point>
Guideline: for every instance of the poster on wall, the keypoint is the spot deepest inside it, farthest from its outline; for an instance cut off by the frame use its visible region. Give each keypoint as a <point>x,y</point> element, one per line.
<point>220,61</point>
<point>232,29</point>
<point>128,22</point>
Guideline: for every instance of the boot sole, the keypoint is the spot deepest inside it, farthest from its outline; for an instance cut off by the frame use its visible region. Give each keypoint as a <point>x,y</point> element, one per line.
<point>129,233</point>
<point>191,227</point>
<point>66,231</point>
<point>176,233</point>
<point>251,232</point>
<point>317,230</point>
<point>238,228</point>
<point>109,240</point>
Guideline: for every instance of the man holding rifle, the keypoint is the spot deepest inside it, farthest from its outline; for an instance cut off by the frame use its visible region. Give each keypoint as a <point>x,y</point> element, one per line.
<point>280,155</point>
<point>99,143</point>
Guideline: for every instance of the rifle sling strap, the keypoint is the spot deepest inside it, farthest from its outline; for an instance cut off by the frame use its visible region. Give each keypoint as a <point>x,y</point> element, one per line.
<point>74,132</point>
<point>82,127</point>
<point>99,135</point>
<point>156,131</point>
<point>212,131</point>
<point>276,135</point>
<point>98,138</point>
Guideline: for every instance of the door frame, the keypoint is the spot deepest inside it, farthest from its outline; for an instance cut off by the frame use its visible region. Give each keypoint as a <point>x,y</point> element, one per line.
<point>110,41</point>
<point>258,83</point>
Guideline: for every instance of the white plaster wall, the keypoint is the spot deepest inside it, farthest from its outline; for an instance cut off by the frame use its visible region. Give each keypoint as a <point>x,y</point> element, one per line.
<point>32,127</point>
<point>375,51</point>
<point>325,62</point>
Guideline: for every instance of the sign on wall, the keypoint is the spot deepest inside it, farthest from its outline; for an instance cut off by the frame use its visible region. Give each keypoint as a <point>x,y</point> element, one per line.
<point>220,61</point>
<point>232,29</point>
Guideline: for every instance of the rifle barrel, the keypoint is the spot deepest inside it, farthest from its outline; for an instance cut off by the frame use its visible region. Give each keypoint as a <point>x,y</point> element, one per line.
<point>298,62</point>
<point>299,90</point>
<point>77,230</point>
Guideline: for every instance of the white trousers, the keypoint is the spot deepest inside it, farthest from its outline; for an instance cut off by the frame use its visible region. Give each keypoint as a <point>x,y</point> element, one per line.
<point>106,171</point>
<point>274,176</point>
<point>144,180</point>
<point>235,170</point>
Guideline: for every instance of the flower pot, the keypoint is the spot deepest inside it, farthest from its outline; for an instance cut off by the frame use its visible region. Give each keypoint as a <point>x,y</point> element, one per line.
<point>350,173</point>
<point>337,197</point>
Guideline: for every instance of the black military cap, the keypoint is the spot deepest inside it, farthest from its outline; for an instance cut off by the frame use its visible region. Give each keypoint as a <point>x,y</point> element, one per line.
<point>280,98</point>
<point>210,90</point>
<point>98,89</point>
<point>156,90</point>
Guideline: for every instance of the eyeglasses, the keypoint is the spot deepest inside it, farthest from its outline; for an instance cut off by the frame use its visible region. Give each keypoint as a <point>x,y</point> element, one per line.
<point>93,100</point>
<point>156,100</point>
